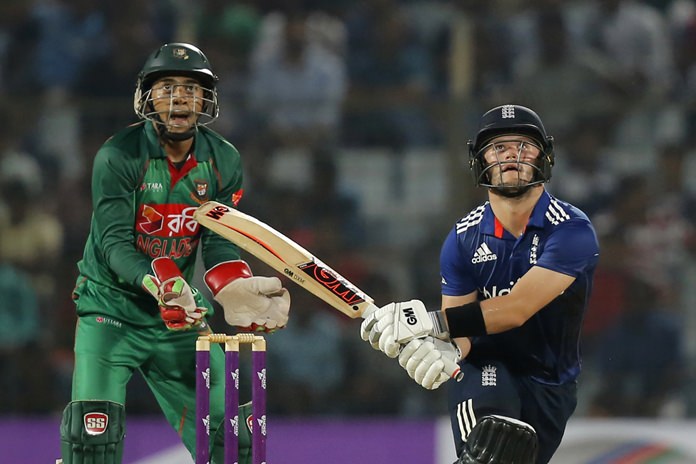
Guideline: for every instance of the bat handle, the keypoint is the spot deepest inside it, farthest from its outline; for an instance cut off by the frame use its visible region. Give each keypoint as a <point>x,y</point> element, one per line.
<point>452,368</point>
<point>369,309</point>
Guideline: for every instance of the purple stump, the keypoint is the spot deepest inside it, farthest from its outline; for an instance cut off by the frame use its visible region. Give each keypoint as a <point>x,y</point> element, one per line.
<point>202,401</point>
<point>258,432</point>
<point>232,402</point>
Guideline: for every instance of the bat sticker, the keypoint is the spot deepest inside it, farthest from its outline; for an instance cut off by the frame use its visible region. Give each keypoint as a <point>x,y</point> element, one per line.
<point>339,286</point>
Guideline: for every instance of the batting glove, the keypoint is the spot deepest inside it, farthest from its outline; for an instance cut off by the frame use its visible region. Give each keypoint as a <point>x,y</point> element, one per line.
<point>428,360</point>
<point>392,326</point>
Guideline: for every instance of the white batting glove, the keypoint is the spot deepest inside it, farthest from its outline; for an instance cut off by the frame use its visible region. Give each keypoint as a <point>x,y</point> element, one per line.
<point>378,330</point>
<point>254,303</point>
<point>394,325</point>
<point>426,360</point>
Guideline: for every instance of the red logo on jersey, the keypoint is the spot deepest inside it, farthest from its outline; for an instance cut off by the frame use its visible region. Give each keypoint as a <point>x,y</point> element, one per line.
<point>95,423</point>
<point>151,221</point>
<point>236,196</point>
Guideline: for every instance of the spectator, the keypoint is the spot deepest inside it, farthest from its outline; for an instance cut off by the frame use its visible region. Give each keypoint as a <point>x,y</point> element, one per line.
<point>642,358</point>
<point>19,337</point>
<point>231,32</point>
<point>71,33</point>
<point>589,177</point>
<point>32,235</point>
<point>471,57</point>
<point>629,42</point>
<point>633,38</point>
<point>685,95</point>
<point>558,79</point>
<point>390,80</point>
<point>297,88</point>
<point>329,207</point>
<point>308,356</point>
<point>654,233</point>
<point>405,60</point>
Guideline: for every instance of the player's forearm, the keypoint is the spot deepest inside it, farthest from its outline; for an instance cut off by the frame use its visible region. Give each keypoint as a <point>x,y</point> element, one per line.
<point>464,345</point>
<point>500,317</point>
<point>127,263</point>
<point>115,240</point>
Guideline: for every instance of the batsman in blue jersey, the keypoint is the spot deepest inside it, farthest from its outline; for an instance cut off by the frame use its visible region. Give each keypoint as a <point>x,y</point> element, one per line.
<point>516,278</point>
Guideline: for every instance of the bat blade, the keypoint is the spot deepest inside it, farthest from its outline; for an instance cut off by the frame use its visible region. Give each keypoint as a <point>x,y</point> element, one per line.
<point>285,256</point>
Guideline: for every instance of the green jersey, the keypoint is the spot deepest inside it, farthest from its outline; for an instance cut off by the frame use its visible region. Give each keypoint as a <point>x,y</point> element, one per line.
<point>142,209</point>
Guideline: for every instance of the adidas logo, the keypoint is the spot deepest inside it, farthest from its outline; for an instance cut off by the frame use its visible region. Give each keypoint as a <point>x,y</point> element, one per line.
<point>483,254</point>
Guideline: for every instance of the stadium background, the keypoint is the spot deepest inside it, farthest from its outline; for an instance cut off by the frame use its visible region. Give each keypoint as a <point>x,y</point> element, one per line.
<point>358,151</point>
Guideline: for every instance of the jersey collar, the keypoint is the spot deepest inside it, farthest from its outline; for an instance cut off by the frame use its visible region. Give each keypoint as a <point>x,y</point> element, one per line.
<point>155,150</point>
<point>538,218</point>
<point>491,226</point>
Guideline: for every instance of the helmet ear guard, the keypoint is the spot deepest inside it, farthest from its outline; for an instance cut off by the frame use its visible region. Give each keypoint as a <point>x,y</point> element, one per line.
<point>510,119</point>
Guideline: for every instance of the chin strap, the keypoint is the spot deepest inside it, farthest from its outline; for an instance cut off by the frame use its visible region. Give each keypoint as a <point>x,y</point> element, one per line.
<point>167,136</point>
<point>511,192</point>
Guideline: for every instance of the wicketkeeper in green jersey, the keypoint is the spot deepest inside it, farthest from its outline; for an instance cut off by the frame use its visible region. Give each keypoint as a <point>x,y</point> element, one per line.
<point>136,310</point>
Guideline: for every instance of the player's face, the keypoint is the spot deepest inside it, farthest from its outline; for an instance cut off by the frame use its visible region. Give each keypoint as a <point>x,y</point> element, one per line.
<point>177,100</point>
<point>512,160</point>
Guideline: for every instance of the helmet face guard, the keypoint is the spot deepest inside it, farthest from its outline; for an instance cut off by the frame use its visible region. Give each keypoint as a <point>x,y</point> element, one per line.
<point>516,121</point>
<point>177,59</point>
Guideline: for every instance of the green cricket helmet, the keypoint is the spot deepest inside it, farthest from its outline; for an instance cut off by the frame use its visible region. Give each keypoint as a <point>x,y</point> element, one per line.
<point>513,120</point>
<point>176,59</point>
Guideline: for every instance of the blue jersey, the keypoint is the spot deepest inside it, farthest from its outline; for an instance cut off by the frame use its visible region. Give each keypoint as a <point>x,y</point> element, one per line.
<point>479,255</point>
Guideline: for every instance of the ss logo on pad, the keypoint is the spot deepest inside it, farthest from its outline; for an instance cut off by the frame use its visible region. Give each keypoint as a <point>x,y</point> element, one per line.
<point>95,423</point>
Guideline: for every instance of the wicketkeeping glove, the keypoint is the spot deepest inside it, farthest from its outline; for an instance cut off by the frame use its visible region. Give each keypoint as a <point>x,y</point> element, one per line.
<point>174,295</point>
<point>255,303</point>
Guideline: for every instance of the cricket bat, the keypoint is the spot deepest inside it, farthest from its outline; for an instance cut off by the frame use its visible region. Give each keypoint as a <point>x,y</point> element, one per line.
<point>285,256</point>
<point>289,259</point>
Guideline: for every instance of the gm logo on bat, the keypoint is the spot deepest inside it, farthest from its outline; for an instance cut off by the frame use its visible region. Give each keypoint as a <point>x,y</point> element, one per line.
<point>293,276</point>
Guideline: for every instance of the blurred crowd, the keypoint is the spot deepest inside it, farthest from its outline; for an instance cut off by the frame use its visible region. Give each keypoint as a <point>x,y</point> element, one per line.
<point>326,99</point>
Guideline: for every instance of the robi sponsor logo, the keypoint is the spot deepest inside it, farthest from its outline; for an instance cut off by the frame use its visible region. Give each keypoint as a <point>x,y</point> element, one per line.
<point>168,220</point>
<point>166,230</point>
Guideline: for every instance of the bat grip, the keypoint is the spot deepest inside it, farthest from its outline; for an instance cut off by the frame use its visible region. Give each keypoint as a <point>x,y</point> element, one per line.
<point>371,308</point>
